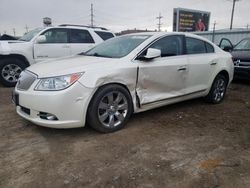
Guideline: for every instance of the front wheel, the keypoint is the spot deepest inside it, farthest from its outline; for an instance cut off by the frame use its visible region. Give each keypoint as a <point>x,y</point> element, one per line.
<point>110,108</point>
<point>10,69</point>
<point>218,90</point>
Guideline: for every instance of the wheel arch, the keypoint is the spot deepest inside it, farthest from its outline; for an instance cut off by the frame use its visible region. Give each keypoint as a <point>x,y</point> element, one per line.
<point>224,73</point>
<point>113,83</point>
<point>17,56</point>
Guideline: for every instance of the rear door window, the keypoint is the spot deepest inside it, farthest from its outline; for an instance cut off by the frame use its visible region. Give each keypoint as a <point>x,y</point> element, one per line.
<point>80,36</point>
<point>195,46</point>
<point>209,47</point>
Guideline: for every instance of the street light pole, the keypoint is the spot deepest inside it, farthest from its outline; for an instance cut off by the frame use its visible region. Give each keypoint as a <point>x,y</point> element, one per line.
<point>232,15</point>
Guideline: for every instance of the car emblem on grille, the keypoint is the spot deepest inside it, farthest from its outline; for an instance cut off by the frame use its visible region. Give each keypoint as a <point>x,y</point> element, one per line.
<point>237,63</point>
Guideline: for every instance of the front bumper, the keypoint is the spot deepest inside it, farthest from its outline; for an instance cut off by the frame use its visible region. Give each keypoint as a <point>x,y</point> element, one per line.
<point>69,106</point>
<point>242,72</point>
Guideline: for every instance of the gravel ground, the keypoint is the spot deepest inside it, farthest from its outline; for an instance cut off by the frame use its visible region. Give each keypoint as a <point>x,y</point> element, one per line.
<point>190,144</point>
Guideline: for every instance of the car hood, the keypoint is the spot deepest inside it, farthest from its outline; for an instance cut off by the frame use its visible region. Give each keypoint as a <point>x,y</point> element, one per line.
<point>69,65</point>
<point>241,55</point>
<point>7,47</point>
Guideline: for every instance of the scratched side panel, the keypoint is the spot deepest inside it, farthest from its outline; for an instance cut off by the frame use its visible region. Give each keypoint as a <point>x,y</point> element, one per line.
<point>122,73</point>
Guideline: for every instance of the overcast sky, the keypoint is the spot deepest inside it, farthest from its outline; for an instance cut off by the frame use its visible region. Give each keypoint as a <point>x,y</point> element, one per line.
<point>116,15</point>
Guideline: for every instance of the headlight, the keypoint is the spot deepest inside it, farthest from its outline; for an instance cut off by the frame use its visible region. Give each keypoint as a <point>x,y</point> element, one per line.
<point>57,83</point>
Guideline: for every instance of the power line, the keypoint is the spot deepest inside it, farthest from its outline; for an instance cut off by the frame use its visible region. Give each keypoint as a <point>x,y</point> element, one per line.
<point>232,15</point>
<point>27,29</point>
<point>159,22</point>
<point>14,31</point>
<point>213,31</point>
<point>91,16</point>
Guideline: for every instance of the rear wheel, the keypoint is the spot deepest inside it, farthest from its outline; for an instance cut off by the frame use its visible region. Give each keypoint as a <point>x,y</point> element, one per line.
<point>10,69</point>
<point>218,90</point>
<point>110,108</point>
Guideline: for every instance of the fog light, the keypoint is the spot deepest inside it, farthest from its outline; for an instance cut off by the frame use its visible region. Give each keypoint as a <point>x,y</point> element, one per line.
<point>47,116</point>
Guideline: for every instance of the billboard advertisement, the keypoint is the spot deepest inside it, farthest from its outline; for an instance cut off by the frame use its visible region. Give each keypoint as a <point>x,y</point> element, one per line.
<point>186,20</point>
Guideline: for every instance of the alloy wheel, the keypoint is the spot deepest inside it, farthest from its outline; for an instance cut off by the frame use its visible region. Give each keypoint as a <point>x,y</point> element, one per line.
<point>112,109</point>
<point>11,72</point>
<point>219,90</point>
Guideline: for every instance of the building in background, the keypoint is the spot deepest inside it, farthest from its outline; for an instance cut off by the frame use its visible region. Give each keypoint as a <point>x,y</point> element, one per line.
<point>187,20</point>
<point>234,35</point>
<point>129,31</point>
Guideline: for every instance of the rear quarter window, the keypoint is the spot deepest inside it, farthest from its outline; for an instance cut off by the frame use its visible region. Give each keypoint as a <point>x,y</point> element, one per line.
<point>209,47</point>
<point>104,35</point>
<point>195,46</point>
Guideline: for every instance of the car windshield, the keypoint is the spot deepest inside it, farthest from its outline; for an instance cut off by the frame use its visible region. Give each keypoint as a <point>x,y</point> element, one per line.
<point>117,47</point>
<point>28,36</point>
<point>243,45</point>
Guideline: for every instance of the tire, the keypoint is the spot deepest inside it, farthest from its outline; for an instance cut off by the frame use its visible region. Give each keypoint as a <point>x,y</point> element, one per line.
<point>110,109</point>
<point>10,69</point>
<point>218,90</point>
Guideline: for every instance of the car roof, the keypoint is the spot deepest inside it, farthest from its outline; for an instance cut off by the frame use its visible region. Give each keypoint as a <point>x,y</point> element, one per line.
<point>101,29</point>
<point>159,34</point>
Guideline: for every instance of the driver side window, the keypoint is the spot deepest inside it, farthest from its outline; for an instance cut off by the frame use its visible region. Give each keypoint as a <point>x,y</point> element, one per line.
<point>56,36</point>
<point>169,45</point>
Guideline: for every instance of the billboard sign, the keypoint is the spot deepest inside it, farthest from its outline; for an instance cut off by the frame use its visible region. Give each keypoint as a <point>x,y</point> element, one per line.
<point>187,20</point>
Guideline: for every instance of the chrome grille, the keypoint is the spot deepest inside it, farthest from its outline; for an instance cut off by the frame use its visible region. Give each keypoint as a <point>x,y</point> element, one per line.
<point>25,80</point>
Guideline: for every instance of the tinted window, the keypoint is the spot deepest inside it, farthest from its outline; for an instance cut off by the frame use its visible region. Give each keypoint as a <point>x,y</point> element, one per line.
<point>209,47</point>
<point>104,35</point>
<point>169,46</point>
<point>195,46</point>
<point>56,36</point>
<point>80,36</point>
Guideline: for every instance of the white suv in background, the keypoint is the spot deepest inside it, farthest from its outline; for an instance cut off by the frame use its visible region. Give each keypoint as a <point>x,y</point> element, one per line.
<point>44,44</point>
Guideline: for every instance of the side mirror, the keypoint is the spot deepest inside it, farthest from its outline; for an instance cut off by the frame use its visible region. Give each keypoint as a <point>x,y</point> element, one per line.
<point>228,48</point>
<point>41,39</point>
<point>152,53</point>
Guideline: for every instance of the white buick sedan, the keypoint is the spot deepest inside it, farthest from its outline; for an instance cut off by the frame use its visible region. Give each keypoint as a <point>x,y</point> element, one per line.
<point>122,76</point>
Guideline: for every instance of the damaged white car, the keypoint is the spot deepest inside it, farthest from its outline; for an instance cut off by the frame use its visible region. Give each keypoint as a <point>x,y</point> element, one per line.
<point>122,76</point>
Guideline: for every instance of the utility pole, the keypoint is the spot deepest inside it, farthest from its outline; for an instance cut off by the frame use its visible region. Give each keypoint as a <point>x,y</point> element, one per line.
<point>27,29</point>
<point>159,22</point>
<point>14,31</point>
<point>232,15</point>
<point>213,31</point>
<point>91,16</point>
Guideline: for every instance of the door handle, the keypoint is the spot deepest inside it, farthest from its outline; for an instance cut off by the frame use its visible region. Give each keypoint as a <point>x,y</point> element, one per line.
<point>213,63</point>
<point>182,68</point>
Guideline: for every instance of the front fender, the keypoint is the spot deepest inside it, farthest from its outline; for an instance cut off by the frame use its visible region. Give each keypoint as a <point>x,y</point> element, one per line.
<point>125,75</point>
<point>5,48</point>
